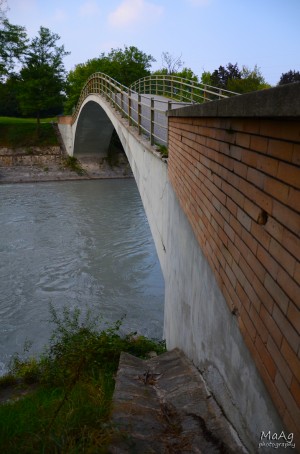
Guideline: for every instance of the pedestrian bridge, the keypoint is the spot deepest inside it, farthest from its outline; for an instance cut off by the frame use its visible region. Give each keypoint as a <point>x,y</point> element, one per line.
<point>223,209</point>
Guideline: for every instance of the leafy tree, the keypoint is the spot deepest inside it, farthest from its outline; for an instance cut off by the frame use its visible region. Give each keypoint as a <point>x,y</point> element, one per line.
<point>43,76</point>
<point>221,76</point>
<point>9,106</point>
<point>129,65</point>
<point>251,80</point>
<point>13,45</point>
<point>234,79</point>
<point>126,66</point>
<point>289,77</point>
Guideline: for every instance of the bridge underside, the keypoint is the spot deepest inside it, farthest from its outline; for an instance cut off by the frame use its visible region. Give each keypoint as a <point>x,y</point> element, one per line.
<point>93,133</point>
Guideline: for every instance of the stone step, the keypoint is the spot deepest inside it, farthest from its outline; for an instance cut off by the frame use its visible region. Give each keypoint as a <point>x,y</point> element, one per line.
<point>162,405</point>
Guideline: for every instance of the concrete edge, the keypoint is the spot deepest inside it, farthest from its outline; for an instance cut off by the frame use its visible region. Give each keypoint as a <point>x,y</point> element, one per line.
<point>280,101</point>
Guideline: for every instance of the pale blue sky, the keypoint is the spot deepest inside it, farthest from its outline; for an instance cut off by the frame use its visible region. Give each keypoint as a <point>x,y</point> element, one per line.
<point>206,33</point>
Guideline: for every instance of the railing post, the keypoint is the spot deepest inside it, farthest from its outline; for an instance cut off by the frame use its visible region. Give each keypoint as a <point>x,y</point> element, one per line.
<point>129,108</point>
<point>121,102</point>
<point>152,122</point>
<point>139,114</point>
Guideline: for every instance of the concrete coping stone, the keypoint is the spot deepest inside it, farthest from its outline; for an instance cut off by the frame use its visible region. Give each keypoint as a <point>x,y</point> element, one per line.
<point>280,101</point>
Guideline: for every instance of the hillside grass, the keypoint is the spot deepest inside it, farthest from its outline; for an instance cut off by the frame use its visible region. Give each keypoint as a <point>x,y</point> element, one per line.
<point>68,408</point>
<point>23,132</point>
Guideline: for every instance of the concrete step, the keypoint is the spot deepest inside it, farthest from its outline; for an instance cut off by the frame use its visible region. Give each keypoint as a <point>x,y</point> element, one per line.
<point>162,405</point>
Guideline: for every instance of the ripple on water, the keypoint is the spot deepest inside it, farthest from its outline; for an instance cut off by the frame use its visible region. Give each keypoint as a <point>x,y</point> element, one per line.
<point>84,244</point>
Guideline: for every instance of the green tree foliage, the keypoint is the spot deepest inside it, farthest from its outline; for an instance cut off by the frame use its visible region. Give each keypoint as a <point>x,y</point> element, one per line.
<point>43,76</point>
<point>289,77</point>
<point>126,66</point>
<point>251,80</point>
<point>234,79</point>
<point>13,45</point>
<point>9,106</point>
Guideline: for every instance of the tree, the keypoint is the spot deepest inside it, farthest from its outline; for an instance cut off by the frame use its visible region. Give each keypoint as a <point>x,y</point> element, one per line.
<point>13,45</point>
<point>251,80</point>
<point>43,76</point>
<point>171,64</point>
<point>126,66</point>
<point>221,76</point>
<point>234,79</point>
<point>289,77</point>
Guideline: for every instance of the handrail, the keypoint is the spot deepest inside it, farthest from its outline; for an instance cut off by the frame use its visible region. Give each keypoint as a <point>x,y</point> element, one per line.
<point>140,108</point>
<point>179,88</point>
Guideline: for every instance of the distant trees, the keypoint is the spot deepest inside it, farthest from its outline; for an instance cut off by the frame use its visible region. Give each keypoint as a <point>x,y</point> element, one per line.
<point>232,78</point>
<point>289,77</point>
<point>13,45</point>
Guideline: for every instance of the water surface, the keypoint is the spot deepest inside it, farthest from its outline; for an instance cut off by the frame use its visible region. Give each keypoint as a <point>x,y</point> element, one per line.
<point>83,244</point>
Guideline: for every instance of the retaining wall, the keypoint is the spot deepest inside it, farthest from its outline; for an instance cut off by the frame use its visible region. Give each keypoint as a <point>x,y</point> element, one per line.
<point>235,168</point>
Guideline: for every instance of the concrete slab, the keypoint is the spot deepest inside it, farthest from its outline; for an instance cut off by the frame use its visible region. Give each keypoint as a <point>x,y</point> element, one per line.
<point>162,405</point>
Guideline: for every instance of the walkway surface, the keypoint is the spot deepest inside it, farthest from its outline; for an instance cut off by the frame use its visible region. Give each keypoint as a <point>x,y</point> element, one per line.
<point>162,406</point>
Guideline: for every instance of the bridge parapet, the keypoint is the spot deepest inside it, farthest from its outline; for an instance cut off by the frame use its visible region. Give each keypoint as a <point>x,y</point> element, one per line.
<point>235,168</point>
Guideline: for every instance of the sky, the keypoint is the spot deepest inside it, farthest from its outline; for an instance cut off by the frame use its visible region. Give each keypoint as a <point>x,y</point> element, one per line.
<point>204,33</point>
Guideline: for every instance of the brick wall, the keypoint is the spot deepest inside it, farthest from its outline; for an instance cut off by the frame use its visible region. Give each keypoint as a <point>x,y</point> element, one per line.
<point>238,181</point>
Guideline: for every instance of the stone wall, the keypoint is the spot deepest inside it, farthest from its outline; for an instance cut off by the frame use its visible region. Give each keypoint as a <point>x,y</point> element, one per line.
<point>236,172</point>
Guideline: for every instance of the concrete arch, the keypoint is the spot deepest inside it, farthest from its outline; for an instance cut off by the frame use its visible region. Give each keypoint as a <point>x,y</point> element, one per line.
<point>93,131</point>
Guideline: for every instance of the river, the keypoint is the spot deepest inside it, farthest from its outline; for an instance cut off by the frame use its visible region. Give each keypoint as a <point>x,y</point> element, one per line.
<point>84,244</point>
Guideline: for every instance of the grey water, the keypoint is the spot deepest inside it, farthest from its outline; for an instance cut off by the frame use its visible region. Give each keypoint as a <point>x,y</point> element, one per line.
<point>84,244</point>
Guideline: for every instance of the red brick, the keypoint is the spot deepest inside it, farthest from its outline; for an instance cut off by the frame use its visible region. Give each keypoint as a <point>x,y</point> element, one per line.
<point>286,328</point>
<point>277,293</point>
<point>295,390</point>
<point>250,241</point>
<point>279,358</point>
<point>287,397</point>
<point>242,140</point>
<point>297,272</point>
<point>277,189</point>
<point>258,143</point>
<point>266,357</point>
<point>271,326</point>
<point>291,242</point>
<point>283,257</point>
<point>275,229</point>
<point>244,219</point>
<point>286,217</point>
<point>289,286</point>
<point>243,298</point>
<point>280,149</point>
<point>289,174</point>
<point>256,177</point>
<point>250,328</point>
<point>267,261</point>
<point>291,358</point>
<point>296,154</point>
<point>294,199</point>
<point>259,233</point>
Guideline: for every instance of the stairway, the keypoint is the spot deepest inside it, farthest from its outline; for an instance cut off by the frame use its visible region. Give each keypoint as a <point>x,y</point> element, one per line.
<point>162,406</point>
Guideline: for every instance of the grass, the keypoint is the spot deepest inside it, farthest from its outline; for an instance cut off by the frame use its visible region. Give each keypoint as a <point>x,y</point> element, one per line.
<point>23,132</point>
<point>69,411</point>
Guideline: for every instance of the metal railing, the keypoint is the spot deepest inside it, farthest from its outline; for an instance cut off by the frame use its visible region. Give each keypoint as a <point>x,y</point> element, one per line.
<point>178,88</point>
<point>142,110</point>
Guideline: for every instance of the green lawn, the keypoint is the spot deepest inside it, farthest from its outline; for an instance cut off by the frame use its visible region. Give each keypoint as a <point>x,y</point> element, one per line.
<point>23,132</point>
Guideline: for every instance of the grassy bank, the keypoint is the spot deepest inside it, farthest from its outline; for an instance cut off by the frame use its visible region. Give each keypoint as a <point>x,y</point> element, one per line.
<point>71,387</point>
<point>23,132</point>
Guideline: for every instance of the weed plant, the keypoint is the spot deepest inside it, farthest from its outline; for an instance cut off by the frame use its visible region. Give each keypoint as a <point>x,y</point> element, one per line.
<point>68,410</point>
<point>72,163</point>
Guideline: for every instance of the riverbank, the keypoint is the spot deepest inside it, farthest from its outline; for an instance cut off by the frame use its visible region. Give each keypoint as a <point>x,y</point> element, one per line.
<point>33,168</point>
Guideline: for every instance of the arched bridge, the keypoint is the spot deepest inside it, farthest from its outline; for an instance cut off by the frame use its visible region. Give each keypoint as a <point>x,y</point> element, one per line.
<point>224,213</point>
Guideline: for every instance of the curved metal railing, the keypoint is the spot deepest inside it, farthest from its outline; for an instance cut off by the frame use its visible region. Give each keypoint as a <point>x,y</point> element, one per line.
<point>178,88</point>
<point>142,110</point>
